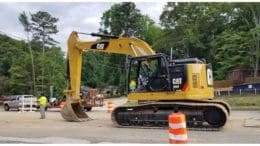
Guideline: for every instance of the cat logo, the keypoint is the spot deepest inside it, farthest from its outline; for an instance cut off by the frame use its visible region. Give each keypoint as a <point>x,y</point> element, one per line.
<point>100,46</point>
<point>177,81</point>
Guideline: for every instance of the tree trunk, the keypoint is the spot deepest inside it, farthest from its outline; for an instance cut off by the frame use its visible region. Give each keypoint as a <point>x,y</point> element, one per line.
<point>33,71</point>
<point>256,19</point>
<point>256,58</point>
<point>43,53</point>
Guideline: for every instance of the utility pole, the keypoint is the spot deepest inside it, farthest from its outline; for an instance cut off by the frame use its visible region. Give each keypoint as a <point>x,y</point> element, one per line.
<point>51,91</point>
<point>171,55</point>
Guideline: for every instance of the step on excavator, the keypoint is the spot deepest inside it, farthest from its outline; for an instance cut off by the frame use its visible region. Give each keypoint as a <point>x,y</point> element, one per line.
<point>156,86</point>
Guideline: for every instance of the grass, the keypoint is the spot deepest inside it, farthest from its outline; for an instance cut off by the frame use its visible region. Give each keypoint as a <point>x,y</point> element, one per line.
<point>244,102</point>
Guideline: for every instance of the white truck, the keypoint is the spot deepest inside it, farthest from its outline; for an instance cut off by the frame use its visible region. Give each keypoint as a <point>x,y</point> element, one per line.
<point>21,102</point>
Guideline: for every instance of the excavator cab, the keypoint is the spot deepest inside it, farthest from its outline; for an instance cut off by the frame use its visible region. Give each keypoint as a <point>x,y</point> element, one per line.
<point>148,74</point>
<point>158,87</point>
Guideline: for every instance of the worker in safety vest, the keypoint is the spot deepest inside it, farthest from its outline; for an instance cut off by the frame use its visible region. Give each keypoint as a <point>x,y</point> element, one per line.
<point>42,101</point>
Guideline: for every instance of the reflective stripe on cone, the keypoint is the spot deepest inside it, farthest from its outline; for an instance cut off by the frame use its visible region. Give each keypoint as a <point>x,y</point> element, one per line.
<point>177,129</point>
<point>110,106</point>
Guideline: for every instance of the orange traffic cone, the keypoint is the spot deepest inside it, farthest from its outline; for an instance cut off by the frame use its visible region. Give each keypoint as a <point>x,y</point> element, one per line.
<point>110,106</point>
<point>62,104</point>
<point>177,129</point>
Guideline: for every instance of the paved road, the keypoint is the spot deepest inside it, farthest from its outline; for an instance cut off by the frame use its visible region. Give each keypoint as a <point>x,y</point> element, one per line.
<point>26,127</point>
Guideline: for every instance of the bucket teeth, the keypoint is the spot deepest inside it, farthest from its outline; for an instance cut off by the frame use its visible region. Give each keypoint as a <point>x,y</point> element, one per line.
<point>74,112</point>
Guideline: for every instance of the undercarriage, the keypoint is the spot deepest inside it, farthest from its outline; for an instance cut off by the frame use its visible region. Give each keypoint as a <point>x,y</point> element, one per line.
<point>200,114</point>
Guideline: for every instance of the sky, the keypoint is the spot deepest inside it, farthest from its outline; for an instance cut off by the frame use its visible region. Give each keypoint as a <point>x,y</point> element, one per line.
<point>79,16</point>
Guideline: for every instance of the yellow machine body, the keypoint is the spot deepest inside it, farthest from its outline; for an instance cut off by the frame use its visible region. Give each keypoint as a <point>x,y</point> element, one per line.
<point>197,87</point>
<point>155,85</point>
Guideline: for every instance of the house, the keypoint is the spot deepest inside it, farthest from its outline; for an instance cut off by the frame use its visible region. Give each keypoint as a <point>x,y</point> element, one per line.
<point>238,76</point>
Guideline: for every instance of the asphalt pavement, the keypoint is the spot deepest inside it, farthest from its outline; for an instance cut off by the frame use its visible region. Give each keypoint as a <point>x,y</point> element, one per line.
<point>27,128</point>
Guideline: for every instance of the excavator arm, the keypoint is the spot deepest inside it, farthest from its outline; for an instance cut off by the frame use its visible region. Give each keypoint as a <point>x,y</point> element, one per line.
<point>72,111</point>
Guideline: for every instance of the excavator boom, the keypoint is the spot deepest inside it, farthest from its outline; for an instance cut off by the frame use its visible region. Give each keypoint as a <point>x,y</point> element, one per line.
<point>72,111</point>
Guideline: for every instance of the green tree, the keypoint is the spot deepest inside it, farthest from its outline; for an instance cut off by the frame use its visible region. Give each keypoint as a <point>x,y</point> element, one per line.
<point>255,33</point>
<point>43,25</point>
<point>9,51</point>
<point>2,85</point>
<point>55,70</point>
<point>231,51</point>
<point>20,79</point>
<point>5,62</point>
<point>208,29</point>
<point>16,65</point>
<point>122,19</point>
<point>243,21</point>
<point>28,28</point>
<point>190,27</point>
<point>152,33</point>
<point>93,71</point>
<point>249,14</point>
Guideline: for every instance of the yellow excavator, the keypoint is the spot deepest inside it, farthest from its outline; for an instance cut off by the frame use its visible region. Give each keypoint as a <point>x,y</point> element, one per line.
<point>156,86</point>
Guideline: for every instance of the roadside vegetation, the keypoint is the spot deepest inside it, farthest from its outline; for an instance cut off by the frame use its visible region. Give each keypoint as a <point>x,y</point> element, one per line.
<point>227,35</point>
<point>244,102</point>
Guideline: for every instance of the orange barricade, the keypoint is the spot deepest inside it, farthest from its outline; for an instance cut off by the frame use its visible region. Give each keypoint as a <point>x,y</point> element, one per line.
<point>177,129</point>
<point>110,106</point>
<point>62,104</point>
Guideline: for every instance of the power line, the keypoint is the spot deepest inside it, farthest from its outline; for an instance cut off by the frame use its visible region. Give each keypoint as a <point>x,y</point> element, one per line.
<point>110,65</point>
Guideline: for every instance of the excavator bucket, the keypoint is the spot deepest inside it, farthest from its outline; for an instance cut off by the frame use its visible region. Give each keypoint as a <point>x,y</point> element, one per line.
<point>73,111</point>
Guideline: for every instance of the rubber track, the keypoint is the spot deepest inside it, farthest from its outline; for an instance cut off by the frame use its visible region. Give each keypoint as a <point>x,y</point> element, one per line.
<point>194,103</point>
